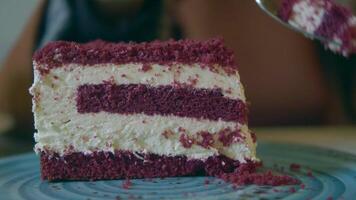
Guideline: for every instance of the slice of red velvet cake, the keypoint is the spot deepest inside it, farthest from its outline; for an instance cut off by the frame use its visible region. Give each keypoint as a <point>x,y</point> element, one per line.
<point>323,18</point>
<point>114,110</point>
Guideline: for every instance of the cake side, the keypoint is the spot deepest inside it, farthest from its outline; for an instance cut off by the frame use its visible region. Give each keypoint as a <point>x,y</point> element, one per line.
<point>66,117</point>
<point>173,111</point>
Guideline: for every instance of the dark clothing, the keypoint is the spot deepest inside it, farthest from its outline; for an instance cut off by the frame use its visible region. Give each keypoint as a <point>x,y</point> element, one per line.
<point>341,75</point>
<point>81,21</point>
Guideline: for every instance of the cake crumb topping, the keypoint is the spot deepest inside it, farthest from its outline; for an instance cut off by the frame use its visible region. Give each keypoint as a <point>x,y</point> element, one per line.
<point>167,133</point>
<point>126,184</point>
<point>246,174</point>
<point>193,81</point>
<point>210,53</point>
<point>207,139</point>
<point>228,136</point>
<point>146,67</point>
<point>186,141</point>
<point>294,167</point>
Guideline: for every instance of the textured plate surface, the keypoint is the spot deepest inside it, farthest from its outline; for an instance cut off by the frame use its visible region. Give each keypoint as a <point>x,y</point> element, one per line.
<point>325,174</point>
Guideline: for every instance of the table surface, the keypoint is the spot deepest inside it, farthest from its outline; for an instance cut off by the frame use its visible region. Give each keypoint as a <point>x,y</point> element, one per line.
<point>341,138</point>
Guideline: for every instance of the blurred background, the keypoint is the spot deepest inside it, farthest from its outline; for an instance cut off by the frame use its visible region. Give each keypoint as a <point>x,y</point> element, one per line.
<point>289,80</point>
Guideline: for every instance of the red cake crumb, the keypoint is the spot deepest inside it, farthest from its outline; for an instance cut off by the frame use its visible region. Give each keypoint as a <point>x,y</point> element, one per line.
<point>310,174</point>
<point>207,139</point>
<point>186,141</point>
<point>85,138</point>
<point>127,184</point>
<point>330,198</point>
<point>69,149</point>
<point>228,136</point>
<point>146,67</point>
<point>302,186</point>
<point>167,133</point>
<point>294,167</point>
<point>292,190</point>
<point>206,181</point>
<point>234,187</point>
<point>254,137</point>
<point>192,81</point>
<point>259,179</point>
<point>181,129</point>
<point>246,174</point>
<point>177,84</point>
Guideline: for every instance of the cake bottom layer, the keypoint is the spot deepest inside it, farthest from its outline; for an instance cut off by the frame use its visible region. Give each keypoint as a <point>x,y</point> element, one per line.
<point>125,164</point>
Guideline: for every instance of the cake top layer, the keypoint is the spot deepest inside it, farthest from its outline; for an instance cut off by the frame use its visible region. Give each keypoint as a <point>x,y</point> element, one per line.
<point>207,53</point>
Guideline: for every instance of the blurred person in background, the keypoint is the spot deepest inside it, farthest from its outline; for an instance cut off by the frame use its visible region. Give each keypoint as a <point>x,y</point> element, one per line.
<point>285,79</point>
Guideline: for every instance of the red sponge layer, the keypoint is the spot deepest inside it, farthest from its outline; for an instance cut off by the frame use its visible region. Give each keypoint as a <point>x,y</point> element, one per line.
<point>162,100</point>
<point>208,53</point>
<point>125,164</point>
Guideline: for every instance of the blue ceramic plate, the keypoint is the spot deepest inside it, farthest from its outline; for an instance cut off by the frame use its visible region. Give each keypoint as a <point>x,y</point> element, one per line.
<point>333,177</point>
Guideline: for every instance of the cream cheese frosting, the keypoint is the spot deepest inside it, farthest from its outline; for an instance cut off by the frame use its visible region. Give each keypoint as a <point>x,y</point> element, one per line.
<point>60,127</point>
<point>306,17</point>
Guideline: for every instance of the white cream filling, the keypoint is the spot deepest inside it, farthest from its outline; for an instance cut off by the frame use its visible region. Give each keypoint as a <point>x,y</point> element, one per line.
<point>137,132</point>
<point>60,127</point>
<point>307,16</point>
<point>156,76</point>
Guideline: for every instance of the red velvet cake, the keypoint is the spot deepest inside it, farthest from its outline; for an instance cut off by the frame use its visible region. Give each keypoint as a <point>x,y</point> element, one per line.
<point>323,18</point>
<point>139,110</point>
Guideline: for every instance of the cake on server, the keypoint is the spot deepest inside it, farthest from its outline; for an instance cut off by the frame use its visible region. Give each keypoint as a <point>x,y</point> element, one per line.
<point>139,110</point>
<point>323,18</point>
